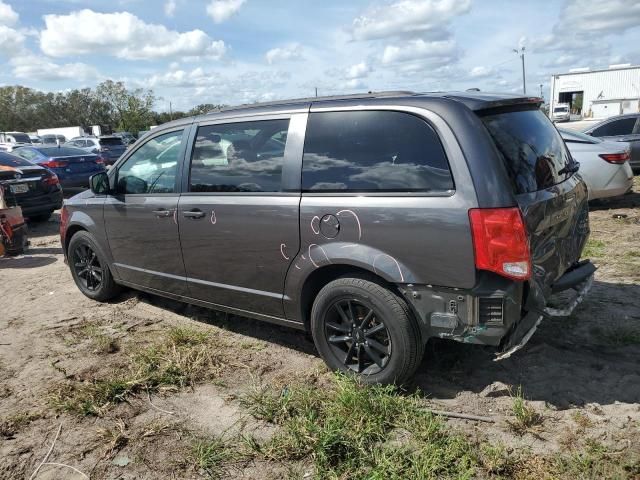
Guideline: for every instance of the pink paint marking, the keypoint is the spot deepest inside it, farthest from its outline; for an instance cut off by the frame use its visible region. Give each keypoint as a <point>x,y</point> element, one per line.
<point>213,218</point>
<point>316,231</point>
<point>357,220</point>
<point>282,247</point>
<point>395,261</point>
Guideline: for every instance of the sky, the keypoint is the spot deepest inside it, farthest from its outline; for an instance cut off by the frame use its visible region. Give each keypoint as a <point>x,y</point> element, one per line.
<point>241,51</point>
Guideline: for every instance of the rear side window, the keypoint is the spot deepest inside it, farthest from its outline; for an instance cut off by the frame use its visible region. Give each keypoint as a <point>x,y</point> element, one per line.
<point>531,148</point>
<point>373,151</point>
<point>623,126</point>
<point>239,157</point>
<point>111,141</point>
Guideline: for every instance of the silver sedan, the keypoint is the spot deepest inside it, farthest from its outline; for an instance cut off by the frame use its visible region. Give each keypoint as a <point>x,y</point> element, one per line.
<point>604,165</point>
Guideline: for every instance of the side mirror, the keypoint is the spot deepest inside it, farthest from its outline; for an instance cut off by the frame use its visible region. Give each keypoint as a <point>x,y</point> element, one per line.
<point>99,183</point>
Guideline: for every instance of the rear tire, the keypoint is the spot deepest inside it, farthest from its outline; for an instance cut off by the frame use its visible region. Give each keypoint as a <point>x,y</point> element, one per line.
<point>89,268</point>
<point>362,328</point>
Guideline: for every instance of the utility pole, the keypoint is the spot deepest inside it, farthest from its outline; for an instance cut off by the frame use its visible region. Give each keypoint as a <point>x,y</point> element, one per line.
<point>316,91</point>
<point>520,53</point>
<point>170,112</point>
<point>541,96</point>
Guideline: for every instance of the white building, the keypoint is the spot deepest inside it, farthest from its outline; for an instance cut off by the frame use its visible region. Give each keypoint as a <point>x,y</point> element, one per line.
<point>605,93</point>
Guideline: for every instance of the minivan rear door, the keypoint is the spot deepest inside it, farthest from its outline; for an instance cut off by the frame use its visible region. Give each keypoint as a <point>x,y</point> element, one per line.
<point>238,213</point>
<point>552,198</point>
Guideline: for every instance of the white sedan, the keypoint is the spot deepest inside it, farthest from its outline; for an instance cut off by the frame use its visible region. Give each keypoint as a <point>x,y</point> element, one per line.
<point>604,166</point>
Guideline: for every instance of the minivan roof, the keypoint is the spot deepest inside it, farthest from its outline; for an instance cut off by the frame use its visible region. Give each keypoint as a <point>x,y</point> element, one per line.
<point>473,100</point>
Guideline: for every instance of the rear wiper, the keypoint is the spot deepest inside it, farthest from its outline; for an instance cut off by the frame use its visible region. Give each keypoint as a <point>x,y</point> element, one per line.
<point>572,167</point>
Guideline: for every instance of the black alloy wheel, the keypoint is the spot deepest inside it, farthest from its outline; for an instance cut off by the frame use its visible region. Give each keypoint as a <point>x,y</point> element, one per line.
<point>357,336</point>
<point>87,267</point>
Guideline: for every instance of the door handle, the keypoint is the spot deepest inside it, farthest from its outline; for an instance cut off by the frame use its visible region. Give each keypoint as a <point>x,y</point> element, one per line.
<point>162,213</point>
<point>195,213</point>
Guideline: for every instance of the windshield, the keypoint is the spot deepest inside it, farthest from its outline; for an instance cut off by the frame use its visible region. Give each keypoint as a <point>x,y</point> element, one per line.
<point>20,137</point>
<point>8,160</point>
<point>561,110</point>
<point>532,149</point>
<point>578,137</point>
<point>111,141</point>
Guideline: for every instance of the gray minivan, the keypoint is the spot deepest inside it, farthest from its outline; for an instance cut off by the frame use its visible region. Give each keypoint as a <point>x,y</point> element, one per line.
<point>375,222</point>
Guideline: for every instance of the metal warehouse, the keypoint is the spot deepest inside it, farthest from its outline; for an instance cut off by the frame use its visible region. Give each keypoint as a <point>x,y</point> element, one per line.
<point>598,93</point>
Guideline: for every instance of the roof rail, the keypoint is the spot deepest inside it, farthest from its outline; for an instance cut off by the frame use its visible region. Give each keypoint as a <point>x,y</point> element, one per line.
<point>354,96</point>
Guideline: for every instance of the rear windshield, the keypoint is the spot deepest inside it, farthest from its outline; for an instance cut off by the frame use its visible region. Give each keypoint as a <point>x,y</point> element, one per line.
<point>63,152</point>
<point>7,160</point>
<point>531,148</point>
<point>20,137</point>
<point>111,141</point>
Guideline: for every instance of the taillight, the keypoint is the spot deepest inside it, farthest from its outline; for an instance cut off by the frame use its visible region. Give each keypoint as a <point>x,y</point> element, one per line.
<point>500,242</point>
<point>64,220</point>
<point>617,158</point>
<point>51,180</point>
<point>53,163</point>
<point>100,161</point>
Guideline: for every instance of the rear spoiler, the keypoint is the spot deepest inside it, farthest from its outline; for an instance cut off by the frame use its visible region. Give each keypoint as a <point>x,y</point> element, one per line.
<point>498,102</point>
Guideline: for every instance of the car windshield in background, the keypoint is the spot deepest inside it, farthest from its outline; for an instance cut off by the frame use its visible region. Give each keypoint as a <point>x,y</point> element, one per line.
<point>7,160</point>
<point>62,152</point>
<point>20,137</point>
<point>532,149</point>
<point>111,141</point>
<point>560,110</point>
<point>570,136</point>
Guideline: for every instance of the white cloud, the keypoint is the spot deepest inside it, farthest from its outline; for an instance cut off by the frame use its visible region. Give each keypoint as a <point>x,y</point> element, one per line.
<point>122,35</point>
<point>286,53</point>
<point>11,41</point>
<point>409,17</point>
<point>481,72</point>
<point>222,10</point>
<point>170,8</point>
<point>359,70</point>
<point>32,67</point>
<point>437,52</point>
<point>8,15</point>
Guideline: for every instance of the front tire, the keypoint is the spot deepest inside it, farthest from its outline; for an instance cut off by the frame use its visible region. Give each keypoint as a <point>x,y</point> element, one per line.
<point>89,268</point>
<point>362,328</point>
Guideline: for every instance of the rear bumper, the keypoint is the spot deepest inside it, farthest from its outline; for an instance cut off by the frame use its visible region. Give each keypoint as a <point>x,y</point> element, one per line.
<point>498,312</point>
<point>44,203</point>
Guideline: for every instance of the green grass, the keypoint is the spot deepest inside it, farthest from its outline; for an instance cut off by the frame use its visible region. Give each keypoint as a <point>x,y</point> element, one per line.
<point>594,248</point>
<point>12,424</point>
<point>184,357</point>
<point>525,417</point>
<point>212,456</point>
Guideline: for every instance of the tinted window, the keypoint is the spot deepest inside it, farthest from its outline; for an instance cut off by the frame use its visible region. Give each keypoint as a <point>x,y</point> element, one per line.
<point>152,167</point>
<point>62,152</point>
<point>617,127</point>
<point>531,148</point>
<point>111,141</point>
<point>27,153</point>
<point>20,137</point>
<point>8,160</point>
<point>239,157</point>
<point>373,151</point>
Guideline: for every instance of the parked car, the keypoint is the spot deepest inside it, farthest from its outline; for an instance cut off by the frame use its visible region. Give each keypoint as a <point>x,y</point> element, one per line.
<point>621,128</point>
<point>127,138</point>
<point>604,165</point>
<point>72,165</point>
<point>561,113</point>
<point>51,139</point>
<point>375,222</point>
<point>11,140</point>
<point>109,147</point>
<point>35,140</point>
<point>34,188</point>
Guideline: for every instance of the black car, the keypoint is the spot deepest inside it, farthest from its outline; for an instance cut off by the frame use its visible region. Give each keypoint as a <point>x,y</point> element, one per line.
<point>32,187</point>
<point>621,128</point>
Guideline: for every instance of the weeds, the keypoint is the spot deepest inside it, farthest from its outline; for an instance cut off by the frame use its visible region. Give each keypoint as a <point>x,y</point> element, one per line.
<point>525,417</point>
<point>593,248</point>
<point>184,358</point>
<point>620,336</point>
<point>11,425</point>
<point>212,455</point>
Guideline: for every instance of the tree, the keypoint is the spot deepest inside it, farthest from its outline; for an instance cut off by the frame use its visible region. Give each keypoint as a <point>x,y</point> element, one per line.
<point>131,111</point>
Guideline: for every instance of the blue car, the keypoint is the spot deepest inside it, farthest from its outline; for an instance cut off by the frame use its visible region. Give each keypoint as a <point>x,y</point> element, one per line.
<point>73,166</point>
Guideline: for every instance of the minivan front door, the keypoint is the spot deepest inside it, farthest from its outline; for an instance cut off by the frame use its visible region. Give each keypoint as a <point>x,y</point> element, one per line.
<point>238,217</point>
<point>140,216</point>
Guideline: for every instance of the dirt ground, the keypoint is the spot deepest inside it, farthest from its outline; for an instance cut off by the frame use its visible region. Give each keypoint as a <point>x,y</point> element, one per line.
<point>581,373</point>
